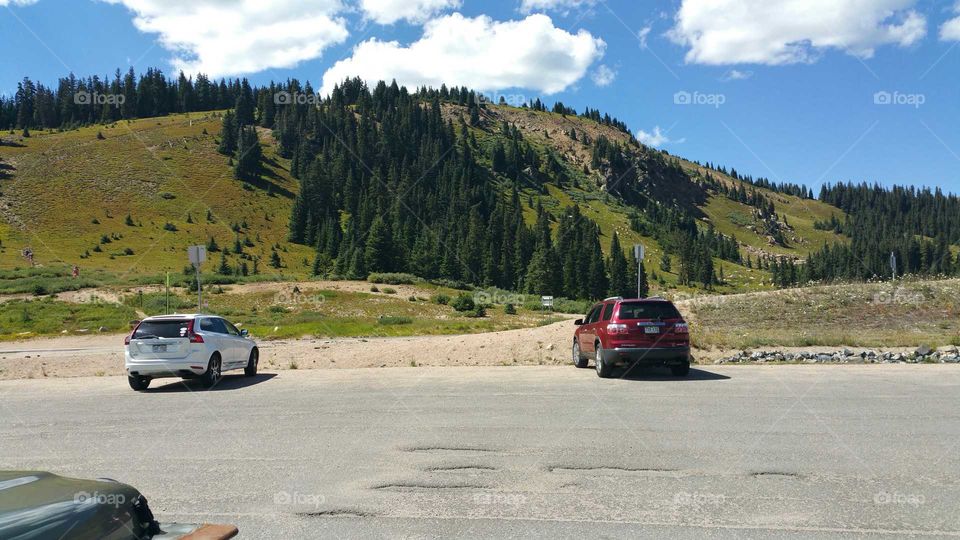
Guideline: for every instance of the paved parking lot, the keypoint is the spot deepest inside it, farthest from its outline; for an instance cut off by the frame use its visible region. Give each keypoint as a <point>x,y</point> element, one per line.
<point>733,451</point>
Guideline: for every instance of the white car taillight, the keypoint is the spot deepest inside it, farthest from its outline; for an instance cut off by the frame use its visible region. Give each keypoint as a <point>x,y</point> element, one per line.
<point>194,337</point>
<point>616,328</point>
<point>681,328</point>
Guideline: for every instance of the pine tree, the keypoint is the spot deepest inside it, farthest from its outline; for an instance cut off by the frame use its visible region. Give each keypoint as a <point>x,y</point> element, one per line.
<point>539,278</point>
<point>618,270</point>
<point>665,262</point>
<point>224,268</point>
<point>228,134</point>
<point>377,255</point>
<point>249,153</point>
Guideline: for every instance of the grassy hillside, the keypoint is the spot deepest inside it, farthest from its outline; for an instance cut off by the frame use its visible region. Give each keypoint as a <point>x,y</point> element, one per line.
<point>70,193</point>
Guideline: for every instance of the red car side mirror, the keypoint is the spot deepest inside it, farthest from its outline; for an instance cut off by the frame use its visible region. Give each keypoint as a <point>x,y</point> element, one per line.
<point>578,322</point>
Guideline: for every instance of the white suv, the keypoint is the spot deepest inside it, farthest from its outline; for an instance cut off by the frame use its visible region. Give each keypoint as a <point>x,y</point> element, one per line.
<point>187,346</point>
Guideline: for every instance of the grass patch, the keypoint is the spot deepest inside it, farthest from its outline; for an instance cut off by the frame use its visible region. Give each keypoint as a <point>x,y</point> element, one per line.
<point>27,318</point>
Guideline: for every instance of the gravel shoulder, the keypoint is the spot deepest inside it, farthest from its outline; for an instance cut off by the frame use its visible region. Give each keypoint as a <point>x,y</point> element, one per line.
<point>100,355</point>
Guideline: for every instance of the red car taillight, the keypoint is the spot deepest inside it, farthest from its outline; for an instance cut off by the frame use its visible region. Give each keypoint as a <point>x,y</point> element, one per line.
<point>616,328</point>
<point>681,328</point>
<point>194,338</point>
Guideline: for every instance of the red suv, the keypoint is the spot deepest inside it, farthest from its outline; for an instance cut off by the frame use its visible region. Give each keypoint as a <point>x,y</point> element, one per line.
<point>645,331</point>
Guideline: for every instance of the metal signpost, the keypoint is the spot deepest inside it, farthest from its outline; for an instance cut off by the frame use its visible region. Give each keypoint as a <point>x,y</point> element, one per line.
<point>198,254</point>
<point>893,264</point>
<point>638,253</point>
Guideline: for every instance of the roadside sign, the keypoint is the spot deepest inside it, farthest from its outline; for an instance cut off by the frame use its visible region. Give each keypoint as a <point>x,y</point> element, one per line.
<point>546,301</point>
<point>893,264</point>
<point>638,251</point>
<point>197,254</point>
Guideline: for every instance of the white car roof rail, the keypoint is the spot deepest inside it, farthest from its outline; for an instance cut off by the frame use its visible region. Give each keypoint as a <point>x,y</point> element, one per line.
<point>613,298</point>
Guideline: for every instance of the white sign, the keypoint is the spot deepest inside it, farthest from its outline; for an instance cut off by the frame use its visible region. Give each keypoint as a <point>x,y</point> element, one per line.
<point>197,254</point>
<point>638,251</point>
<point>546,301</point>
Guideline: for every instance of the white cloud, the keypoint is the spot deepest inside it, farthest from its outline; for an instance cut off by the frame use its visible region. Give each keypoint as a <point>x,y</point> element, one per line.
<point>950,30</point>
<point>656,139</point>
<point>603,75</point>
<point>224,37</point>
<point>479,53</point>
<point>790,31</point>
<point>415,11</point>
<point>5,3</point>
<point>736,75</point>
<point>642,36</point>
<point>561,6</point>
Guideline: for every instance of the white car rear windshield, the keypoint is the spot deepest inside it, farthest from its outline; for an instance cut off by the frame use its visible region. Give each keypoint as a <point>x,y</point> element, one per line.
<point>162,329</point>
<point>648,310</point>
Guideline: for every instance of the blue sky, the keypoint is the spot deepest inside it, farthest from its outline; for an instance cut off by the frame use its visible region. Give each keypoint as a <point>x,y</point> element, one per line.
<point>807,91</point>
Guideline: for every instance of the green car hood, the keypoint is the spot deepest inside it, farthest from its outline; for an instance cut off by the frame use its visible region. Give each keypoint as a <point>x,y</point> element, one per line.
<point>36,504</point>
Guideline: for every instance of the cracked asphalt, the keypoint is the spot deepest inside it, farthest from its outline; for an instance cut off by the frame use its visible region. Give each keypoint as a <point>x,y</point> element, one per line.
<point>733,451</point>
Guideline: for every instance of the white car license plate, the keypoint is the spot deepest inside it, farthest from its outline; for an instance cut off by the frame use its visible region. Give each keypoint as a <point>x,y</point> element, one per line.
<point>159,348</point>
<point>651,329</point>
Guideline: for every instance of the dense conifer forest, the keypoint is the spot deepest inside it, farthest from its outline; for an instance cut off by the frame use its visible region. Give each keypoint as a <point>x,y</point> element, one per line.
<point>394,180</point>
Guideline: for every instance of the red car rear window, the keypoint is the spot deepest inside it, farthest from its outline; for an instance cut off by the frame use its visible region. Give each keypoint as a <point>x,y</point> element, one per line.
<point>647,310</point>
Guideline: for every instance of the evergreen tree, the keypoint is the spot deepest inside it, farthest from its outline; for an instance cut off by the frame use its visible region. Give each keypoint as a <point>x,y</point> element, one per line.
<point>228,134</point>
<point>249,153</point>
<point>618,270</point>
<point>377,255</point>
<point>224,268</point>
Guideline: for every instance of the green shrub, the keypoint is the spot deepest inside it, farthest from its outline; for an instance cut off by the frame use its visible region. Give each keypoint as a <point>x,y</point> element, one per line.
<point>389,320</point>
<point>389,290</point>
<point>441,299</point>
<point>393,278</point>
<point>374,289</point>
<point>509,309</point>
<point>463,302</point>
<point>39,290</point>
<point>479,311</point>
<point>452,284</point>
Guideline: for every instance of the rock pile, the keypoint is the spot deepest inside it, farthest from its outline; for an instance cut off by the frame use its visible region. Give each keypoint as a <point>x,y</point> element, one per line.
<point>922,354</point>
